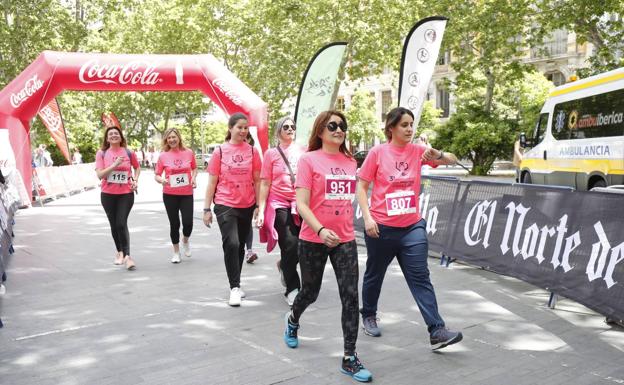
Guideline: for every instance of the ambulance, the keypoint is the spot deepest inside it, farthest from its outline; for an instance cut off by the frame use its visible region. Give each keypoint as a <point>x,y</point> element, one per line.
<point>578,140</point>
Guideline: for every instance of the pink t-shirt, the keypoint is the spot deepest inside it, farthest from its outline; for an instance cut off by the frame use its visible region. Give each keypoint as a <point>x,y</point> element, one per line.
<point>275,170</point>
<point>331,181</point>
<point>118,181</point>
<point>177,166</point>
<point>235,165</point>
<point>395,174</point>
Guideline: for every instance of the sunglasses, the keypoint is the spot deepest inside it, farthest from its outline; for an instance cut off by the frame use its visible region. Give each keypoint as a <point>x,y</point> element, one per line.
<point>333,126</point>
<point>286,127</point>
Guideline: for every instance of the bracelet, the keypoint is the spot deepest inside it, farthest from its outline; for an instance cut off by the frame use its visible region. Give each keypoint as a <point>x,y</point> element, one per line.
<point>208,210</point>
<point>441,155</point>
<point>319,231</point>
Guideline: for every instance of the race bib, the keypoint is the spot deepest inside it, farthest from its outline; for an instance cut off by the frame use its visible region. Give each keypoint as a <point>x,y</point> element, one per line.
<point>118,177</point>
<point>400,202</point>
<point>179,180</point>
<point>339,187</point>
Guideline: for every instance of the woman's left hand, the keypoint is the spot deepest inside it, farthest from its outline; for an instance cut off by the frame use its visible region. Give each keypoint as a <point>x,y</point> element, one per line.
<point>430,154</point>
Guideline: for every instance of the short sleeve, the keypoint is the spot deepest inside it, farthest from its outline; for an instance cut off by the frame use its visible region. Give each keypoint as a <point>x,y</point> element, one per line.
<point>158,169</point>
<point>214,166</point>
<point>267,166</point>
<point>134,161</point>
<point>369,167</point>
<point>304,173</point>
<point>257,160</point>
<point>99,160</point>
<point>193,162</point>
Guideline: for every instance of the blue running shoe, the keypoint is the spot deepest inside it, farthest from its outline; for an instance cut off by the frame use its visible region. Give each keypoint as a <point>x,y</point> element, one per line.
<point>353,367</point>
<point>290,334</point>
<point>442,337</point>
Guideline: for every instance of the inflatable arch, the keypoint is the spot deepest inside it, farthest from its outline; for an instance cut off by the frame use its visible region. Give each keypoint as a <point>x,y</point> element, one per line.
<point>53,72</point>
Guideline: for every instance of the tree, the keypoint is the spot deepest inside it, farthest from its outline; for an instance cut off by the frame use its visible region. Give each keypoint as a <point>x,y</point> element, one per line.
<point>362,119</point>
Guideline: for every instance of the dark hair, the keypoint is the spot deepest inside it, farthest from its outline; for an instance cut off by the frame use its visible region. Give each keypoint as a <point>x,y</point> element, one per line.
<point>393,118</point>
<point>106,145</point>
<point>235,117</point>
<point>320,122</point>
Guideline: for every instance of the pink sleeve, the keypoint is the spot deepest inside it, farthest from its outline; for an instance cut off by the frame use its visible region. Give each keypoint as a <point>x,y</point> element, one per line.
<point>267,166</point>
<point>214,167</point>
<point>193,162</point>
<point>134,160</point>
<point>304,173</point>
<point>257,160</point>
<point>99,160</point>
<point>369,167</point>
<point>158,170</point>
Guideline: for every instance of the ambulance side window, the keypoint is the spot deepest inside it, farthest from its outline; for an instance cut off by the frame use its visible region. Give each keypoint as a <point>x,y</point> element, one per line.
<point>540,129</point>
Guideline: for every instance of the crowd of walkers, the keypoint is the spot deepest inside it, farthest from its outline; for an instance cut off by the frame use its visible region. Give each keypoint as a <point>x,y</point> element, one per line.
<point>300,199</point>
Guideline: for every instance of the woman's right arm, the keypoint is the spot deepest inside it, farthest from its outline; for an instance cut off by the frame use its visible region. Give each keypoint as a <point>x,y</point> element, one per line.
<point>210,192</point>
<point>103,172</point>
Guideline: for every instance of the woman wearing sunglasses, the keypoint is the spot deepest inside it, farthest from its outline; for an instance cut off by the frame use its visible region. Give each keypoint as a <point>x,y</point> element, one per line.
<point>393,225</point>
<point>278,219</point>
<point>325,188</point>
<point>233,185</point>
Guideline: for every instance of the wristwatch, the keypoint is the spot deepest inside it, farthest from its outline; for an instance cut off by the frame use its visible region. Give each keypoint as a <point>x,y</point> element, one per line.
<point>207,210</point>
<point>441,155</point>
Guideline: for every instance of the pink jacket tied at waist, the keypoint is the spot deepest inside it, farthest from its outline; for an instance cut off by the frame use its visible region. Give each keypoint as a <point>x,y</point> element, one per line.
<point>267,232</point>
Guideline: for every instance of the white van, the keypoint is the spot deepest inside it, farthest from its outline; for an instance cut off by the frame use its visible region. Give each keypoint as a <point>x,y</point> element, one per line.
<point>579,138</point>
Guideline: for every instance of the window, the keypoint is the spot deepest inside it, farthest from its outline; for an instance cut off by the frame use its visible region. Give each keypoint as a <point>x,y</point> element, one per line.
<point>555,44</point>
<point>444,58</point>
<point>386,103</point>
<point>443,101</point>
<point>340,103</point>
<point>540,129</point>
<point>557,78</point>
<point>591,117</point>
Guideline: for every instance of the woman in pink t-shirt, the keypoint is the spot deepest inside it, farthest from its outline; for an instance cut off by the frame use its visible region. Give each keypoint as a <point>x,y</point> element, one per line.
<point>233,186</point>
<point>114,163</point>
<point>277,204</point>
<point>178,164</point>
<point>325,189</point>
<point>393,225</point>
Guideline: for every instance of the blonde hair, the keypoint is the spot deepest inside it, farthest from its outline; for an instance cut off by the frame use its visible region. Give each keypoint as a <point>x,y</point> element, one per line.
<point>165,145</point>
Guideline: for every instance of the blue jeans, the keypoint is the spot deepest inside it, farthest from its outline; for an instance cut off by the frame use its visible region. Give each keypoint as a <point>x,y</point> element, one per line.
<point>409,245</point>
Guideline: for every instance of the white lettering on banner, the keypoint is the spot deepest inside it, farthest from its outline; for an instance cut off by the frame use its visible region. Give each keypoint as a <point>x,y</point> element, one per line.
<point>431,216</point>
<point>479,220</point>
<point>94,72</point>
<point>31,86</point>
<point>53,120</point>
<point>227,91</point>
<point>598,259</point>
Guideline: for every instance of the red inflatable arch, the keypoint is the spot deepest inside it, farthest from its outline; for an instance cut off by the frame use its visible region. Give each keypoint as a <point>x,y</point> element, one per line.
<point>53,72</point>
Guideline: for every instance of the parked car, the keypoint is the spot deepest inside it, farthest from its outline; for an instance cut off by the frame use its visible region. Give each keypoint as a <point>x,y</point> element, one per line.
<point>205,158</point>
<point>360,156</point>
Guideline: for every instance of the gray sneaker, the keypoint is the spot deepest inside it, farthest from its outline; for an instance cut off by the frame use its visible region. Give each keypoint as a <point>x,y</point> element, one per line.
<point>369,324</point>
<point>442,337</point>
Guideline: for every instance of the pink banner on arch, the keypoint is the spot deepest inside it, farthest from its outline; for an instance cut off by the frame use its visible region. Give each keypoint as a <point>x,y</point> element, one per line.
<point>51,117</point>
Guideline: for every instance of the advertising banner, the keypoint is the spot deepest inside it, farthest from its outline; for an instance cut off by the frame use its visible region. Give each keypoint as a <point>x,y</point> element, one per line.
<point>51,117</point>
<point>420,53</point>
<point>318,88</point>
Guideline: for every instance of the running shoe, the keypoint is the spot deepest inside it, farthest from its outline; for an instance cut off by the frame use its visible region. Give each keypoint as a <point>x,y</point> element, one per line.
<point>235,297</point>
<point>186,249</point>
<point>129,263</point>
<point>352,366</point>
<point>175,258</point>
<point>242,293</point>
<point>369,324</point>
<point>290,297</point>
<point>251,256</point>
<point>290,334</point>
<point>442,337</point>
<point>119,259</point>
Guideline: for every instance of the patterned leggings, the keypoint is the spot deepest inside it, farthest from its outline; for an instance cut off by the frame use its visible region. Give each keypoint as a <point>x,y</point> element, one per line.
<point>344,259</point>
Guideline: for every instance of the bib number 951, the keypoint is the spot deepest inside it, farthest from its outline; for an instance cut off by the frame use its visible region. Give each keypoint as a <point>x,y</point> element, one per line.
<point>339,187</point>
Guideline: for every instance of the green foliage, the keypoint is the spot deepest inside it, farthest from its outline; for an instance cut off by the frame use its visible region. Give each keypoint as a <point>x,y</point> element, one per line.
<point>429,119</point>
<point>362,120</point>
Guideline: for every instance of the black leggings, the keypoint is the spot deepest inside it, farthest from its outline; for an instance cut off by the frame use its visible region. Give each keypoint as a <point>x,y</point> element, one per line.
<point>288,238</point>
<point>344,259</point>
<point>234,224</point>
<point>117,208</point>
<point>175,204</point>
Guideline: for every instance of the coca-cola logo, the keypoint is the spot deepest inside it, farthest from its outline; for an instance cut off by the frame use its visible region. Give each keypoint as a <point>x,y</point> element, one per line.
<point>227,91</point>
<point>32,85</point>
<point>133,72</point>
<point>51,118</point>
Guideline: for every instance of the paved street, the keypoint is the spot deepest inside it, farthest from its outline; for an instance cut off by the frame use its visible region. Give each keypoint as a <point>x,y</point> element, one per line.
<point>72,317</point>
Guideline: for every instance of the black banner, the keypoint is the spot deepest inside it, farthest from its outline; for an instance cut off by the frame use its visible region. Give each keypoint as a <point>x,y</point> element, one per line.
<point>569,242</point>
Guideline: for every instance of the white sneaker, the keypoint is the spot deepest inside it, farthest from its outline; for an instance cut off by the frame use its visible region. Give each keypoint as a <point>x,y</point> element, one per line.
<point>242,293</point>
<point>235,297</point>
<point>186,249</point>
<point>290,298</point>
<point>175,258</point>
